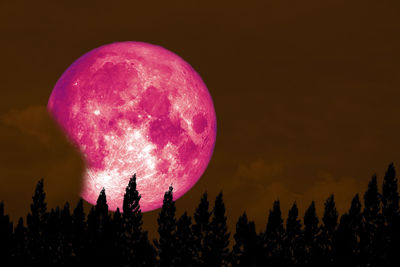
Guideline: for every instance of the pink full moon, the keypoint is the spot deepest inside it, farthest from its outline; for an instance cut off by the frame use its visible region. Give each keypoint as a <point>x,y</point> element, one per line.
<point>133,107</point>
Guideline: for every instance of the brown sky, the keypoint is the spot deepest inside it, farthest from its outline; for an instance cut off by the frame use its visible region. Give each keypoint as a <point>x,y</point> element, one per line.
<point>306,94</point>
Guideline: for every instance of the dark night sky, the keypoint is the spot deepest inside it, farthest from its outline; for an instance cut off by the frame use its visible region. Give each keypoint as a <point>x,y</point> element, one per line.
<point>306,94</point>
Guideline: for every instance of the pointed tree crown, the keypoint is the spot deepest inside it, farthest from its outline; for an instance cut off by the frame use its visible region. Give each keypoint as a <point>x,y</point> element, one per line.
<point>355,208</point>
<point>275,222</point>
<point>372,200</point>
<point>311,221</point>
<point>390,194</point>
<point>39,206</point>
<point>101,203</point>
<point>330,217</point>
<point>202,214</point>
<point>132,197</point>
<point>293,224</point>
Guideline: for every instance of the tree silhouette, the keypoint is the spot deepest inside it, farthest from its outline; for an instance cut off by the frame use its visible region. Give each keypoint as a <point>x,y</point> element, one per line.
<point>118,246</point>
<point>330,221</point>
<point>343,246</point>
<point>347,236</point>
<point>390,196</point>
<point>20,255</point>
<point>372,236</point>
<point>166,243</point>
<point>6,235</point>
<point>293,236</point>
<point>245,251</point>
<point>201,231</point>
<point>131,208</point>
<point>273,237</point>
<point>99,232</point>
<point>310,236</point>
<point>391,216</point>
<point>66,248</point>
<point>364,236</point>
<point>137,249</point>
<point>53,236</point>
<point>78,234</point>
<point>36,221</point>
<point>185,242</point>
<point>219,236</point>
<point>355,225</point>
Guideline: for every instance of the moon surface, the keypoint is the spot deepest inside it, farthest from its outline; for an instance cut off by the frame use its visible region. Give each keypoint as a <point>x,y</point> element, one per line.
<point>133,107</point>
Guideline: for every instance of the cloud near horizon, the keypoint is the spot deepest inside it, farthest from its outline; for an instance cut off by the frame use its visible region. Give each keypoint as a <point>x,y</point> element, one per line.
<point>33,148</point>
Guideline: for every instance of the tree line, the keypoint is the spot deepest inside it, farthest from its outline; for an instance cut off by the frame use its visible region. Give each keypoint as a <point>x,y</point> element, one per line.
<point>367,235</point>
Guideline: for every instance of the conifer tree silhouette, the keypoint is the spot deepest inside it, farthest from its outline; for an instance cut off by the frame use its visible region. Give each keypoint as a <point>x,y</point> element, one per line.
<point>166,243</point>
<point>391,216</point>
<point>6,235</point>
<point>347,236</point>
<point>273,236</point>
<point>137,248</point>
<point>101,210</point>
<point>245,251</point>
<point>355,224</point>
<point>219,236</point>
<point>185,242</point>
<point>364,237</point>
<point>53,236</point>
<point>310,236</point>
<point>99,233</point>
<point>293,236</point>
<point>78,234</point>
<point>201,231</point>
<point>20,254</point>
<point>131,208</point>
<point>372,234</point>
<point>390,196</point>
<point>330,221</point>
<point>343,246</point>
<point>119,246</point>
<point>66,248</point>
<point>36,221</point>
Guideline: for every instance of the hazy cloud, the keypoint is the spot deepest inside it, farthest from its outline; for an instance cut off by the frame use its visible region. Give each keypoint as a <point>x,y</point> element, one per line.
<point>33,148</point>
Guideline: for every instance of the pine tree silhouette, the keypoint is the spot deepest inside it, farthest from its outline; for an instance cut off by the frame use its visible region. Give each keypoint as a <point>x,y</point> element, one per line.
<point>245,251</point>
<point>343,246</point>
<point>390,196</point>
<point>364,237</point>
<point>36,220</point>
<point>330,221</point>
<point>347,236</point>
<point>6,235</point>
<point>137,249</point>
<point>185,242</point>
<point>78,234</point>
<point>273,236</point>
<point>293,236</point>
<point>20,254</point>
<point>310,236</point>
<point>166,243</point>
<point>119,249</point>
<point>355,224</point>
<point>53,236</point>
<point>219,236</point>
<point>372,234</point>
<point>99,234</point>
<point>201,231</point>
<point>391,216</point>
<point>66,248</point>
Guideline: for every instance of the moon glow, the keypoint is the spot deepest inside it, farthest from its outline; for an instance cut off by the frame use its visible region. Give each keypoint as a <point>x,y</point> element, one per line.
<point>133,107</point>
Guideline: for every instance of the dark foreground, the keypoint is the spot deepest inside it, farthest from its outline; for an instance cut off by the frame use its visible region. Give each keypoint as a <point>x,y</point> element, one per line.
<point>367,235</point>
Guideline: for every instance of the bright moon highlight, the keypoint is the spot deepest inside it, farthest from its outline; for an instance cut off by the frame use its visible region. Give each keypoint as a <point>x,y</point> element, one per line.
<point>133,107</point>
